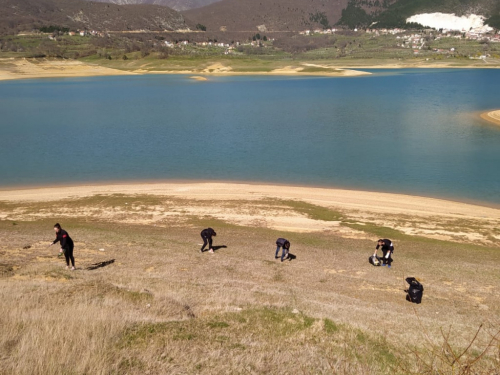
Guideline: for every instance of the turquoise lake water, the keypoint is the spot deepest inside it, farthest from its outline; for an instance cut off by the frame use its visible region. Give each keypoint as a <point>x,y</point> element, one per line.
<point>406,131</point>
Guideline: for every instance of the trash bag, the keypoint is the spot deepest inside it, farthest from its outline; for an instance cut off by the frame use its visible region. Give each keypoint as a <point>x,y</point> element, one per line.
<point>374,260</point>
<point>415,290</point>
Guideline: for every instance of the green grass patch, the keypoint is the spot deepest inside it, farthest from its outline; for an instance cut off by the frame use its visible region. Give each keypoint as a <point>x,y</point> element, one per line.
<point>393,234</point>
<point>218,325</point>
<point>310,210</point>
<point>318,69</point>
<point>330,326</point>
<point>115,200</point>
<point>379,231</point>
<point>58,273</point>
<point>269,328</point>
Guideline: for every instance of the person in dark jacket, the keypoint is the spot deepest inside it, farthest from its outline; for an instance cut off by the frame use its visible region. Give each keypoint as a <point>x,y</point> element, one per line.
<point>387,249</point>
<point>282,243</point>
<point>207,234</point>
<point>67,245</point>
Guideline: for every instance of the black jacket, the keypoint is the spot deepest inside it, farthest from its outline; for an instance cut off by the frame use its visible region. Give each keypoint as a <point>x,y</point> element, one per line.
<point>283,243</point>
<point>386,246</point>
<point>208,233</point>
<point>63,237</point>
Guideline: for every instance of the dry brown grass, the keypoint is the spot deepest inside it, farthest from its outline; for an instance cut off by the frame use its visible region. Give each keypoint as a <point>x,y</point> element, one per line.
<point>162,307</point>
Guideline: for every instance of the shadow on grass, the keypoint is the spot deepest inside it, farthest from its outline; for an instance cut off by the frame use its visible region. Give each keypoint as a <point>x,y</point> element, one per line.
<point>100,265</point>
<point>215,248</point>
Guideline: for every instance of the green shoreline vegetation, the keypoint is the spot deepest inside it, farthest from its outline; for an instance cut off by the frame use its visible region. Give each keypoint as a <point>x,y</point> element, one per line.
<point>148,51</point>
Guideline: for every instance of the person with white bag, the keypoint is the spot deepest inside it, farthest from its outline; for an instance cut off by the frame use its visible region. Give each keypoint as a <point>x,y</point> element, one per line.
<point>387,249</point>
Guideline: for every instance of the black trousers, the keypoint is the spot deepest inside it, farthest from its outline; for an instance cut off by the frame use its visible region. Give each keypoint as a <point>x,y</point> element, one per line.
<point>387,260</point>
<point>68,253</point>
<point>206,240</point>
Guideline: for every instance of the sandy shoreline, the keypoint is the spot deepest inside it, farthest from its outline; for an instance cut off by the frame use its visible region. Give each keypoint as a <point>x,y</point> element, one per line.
<point>492,116</point>
<point>376,202</point>
<point>12,69</point>
<point>260,206</point>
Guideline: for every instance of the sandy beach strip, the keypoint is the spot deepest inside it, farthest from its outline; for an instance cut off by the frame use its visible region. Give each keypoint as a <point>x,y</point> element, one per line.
<point>12,68</point>
<point>492,116</point>
<point>31,69</point>
<point>373,202</point>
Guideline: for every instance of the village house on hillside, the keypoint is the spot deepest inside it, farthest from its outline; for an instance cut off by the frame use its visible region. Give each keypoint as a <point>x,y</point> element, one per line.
<point>444,33</point>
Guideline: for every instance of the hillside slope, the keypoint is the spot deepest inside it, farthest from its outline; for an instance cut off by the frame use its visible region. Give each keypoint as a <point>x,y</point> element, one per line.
<point>144,300</point>
<point>30,14</point>
<point>394,15</point>
<point>174,4</point>
<point>270,15</point>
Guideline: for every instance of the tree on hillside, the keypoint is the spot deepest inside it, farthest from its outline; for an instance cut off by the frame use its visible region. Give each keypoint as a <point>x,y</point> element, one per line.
<point>494,21</point>
<point>354,16</point>
<point>321,18</point>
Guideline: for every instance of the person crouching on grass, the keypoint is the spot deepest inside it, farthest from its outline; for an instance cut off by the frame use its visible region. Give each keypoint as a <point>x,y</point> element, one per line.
<point>207,234</point>
<point>67,245</point>
<point>282,243</point>
<point>387,249</point>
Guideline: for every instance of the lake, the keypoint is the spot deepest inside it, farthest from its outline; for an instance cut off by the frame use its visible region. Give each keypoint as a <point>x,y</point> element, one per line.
<point>406,131</point>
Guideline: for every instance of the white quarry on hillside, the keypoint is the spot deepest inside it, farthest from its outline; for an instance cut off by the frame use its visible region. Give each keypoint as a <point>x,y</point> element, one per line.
<point>447,21</point>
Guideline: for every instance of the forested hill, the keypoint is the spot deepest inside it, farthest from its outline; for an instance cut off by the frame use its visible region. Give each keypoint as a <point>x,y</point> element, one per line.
<point>230,15</point>
<point>25,15</point>
<point>296,15</point>
<point>362,13</point>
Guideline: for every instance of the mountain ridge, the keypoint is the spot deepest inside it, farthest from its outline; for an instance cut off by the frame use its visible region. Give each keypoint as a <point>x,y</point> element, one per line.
<point>268,15</point>
<point>297,15</point>
<point>80,14</point>
<point>396,13</point>
<point>177,5</point>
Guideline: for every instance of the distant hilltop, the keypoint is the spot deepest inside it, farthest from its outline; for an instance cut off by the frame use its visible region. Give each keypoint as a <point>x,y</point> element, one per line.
<point>251,16</point>
<point>268,15</point>
<point>79,14</point>
<point>399,13</point>
<point>174,4</point>
<point>296,15</point>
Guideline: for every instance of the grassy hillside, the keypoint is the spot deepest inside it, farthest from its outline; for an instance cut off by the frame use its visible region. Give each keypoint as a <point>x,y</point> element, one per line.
<point>146,51</point>
<point>271,15</point>
<point>78,14</point>
<point>144,300</point>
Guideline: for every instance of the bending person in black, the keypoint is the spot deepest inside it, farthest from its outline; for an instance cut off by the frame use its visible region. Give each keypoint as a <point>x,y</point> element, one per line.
<point>207,234</point>
<point>67,245</point>
<point>387,249</point>
<point>282,243</point>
